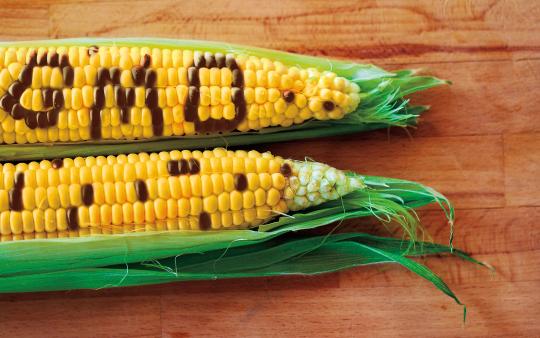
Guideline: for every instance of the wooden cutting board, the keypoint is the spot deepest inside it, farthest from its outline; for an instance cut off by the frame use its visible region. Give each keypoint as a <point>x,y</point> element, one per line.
<point>479,145</point>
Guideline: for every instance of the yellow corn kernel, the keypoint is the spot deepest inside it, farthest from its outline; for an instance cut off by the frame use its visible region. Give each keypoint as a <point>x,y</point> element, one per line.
<point>184,208</point>
<point>227,219</point>
<point>196,206</point>
<point>16,224</point>
<point>161,77</point>
<point>53,197</point>
<point>273,196</point>
<point>15,69</point>
<point>4,201</point>
<point>5,79</point>
<point>79,77</point>
<point>163,188</point>
<point>5,228</point>
<point>74,194</point>
<point>105,214</point>
<point>210,204</point>
<point>325,94</point>
<point>50,220</point>
<point>160,208</point>
<point>226,77</point>
<point>127,213</point>
<point>94,219</point>
<point>126,80</point>
<point>172,77</point>
<point>172,97</point>
<point>26,99</point>
<point>248,199</point>
<point>238,218</point>
<point>84,217</point>
<point>250,78</point>
<point>260,197</point>
<point>76,98</point>
<point>63,195</point>
<point>236,200</point>
<point>250,215</point>
<point>56,78</point>
<point>261,95</point>
<point>146,117</point>
<point>176,58</point>
<point>204,76</point>
<point>253,181</point>
<point>39,220</point>
<point>263,212</point>
<point>280,106</point>
<point>215,77</point>
<point>203,113</point>
<point>274,79</point>
<point>37,100</point>
<point>196,185</point>
<point>262,78</point>
<point>120,192</point>
<point>151,185</point>
<point>182,77</point>
<point>138,213</point>
<point>140,97</point>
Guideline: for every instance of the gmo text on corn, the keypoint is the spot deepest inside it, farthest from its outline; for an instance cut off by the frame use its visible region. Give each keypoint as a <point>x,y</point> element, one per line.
<point>78,93</point>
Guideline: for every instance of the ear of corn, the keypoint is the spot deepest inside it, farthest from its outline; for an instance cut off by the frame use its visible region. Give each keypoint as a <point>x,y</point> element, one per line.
<point>388,199</point>
<point>177,190</point>
<point>160,257</point>
<point>151,198</point>
<point>184,94</point>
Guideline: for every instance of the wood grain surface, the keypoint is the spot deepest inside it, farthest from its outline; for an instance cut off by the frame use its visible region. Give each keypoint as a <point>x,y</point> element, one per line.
<point>479,145</point>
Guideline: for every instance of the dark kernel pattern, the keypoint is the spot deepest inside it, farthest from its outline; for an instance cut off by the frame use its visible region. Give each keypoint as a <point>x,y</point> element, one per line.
<point>173,167</point>
<point>194,166</point>
<point>57,163</point>
<point>146,60</point>
<point>286,170</point>
<point>183,167</point>
<point>18,182</point>
<point>288,96</point>
<point>87,193</point>
<point>92,50</point>
<point>142,75</point>
<point>329,105</point>
<point>15,199</point>
<point>240,182</point>
<point>211,125</point>
<point>205,223</point>
<point>72,218</point>
<point>53,99</point>
<point>141,190</point>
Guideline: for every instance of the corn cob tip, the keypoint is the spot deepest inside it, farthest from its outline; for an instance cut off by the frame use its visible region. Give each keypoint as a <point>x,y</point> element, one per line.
<point>313,183</point>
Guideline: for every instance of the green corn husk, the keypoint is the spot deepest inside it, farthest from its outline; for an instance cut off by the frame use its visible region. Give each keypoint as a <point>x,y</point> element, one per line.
<point>281,247</point>
<point>383,104</point>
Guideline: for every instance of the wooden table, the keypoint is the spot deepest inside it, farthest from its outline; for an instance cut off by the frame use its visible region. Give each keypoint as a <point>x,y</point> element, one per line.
<point>479,145</point>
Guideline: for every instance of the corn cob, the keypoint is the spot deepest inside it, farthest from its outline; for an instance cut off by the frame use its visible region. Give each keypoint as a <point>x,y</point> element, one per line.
<point>184,190</point>
<point>77,93</point>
